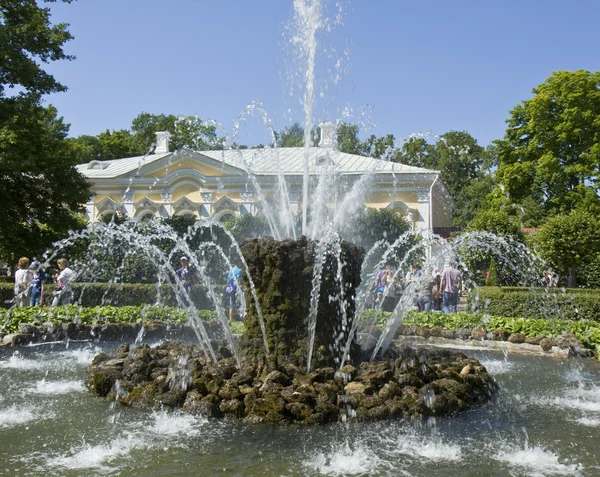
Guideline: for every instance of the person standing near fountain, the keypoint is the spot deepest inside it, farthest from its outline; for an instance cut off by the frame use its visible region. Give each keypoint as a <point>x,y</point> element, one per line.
<point>450,285</point>
<point>23,278</point>
<point>427,287</point>
<point>36,294</point>
<point>234,279</point>
<point>63,295</point>
<point>185,278</point>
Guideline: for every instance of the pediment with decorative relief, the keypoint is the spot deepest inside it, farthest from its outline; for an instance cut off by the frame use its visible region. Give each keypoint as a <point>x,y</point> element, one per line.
<point>107,204</point>
<point>146,204</point>
<point>185,204</point>
<point>225,203</point>
<point>188,162</point>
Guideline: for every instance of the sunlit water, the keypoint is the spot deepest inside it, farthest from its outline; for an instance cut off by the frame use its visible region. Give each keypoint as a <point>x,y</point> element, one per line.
<point>544,421</point>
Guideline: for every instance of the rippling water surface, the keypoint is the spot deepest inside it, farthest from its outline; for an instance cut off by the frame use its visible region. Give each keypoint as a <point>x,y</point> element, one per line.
<point>545,421</point>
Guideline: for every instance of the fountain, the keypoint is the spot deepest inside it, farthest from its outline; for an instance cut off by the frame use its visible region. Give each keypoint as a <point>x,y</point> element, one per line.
<point>307,356</point>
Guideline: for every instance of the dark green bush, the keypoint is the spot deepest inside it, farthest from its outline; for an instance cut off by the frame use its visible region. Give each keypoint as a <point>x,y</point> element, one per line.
<point>116,294</point>
<point>545,303</point>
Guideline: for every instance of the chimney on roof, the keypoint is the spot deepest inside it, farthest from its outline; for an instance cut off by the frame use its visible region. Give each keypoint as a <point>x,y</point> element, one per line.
<point>328,137</point>
<point>162,142</point>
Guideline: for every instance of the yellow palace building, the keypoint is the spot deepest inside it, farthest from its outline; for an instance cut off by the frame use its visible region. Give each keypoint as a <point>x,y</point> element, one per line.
<point>225,184</point>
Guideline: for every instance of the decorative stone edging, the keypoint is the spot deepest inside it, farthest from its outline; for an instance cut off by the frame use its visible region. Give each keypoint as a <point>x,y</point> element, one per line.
<point>567,345</point>
<point>29,333</point>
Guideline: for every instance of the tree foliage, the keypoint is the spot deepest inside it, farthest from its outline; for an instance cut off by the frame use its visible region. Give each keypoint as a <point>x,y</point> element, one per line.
<point>551,148</point>
<point>186,131</point>
<point>567,241</point>
<point>40,189</point>
<point>497,222</point>
<point>372,225</point>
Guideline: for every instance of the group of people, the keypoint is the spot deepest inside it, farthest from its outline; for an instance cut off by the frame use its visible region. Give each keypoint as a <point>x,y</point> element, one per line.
<point>433,290</point>
<point>31,278</point>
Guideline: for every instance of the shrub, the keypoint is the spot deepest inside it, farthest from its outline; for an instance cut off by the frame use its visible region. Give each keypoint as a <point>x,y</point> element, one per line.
<point>544,303</point>
<point>117,294</point>
<point>10,319</point>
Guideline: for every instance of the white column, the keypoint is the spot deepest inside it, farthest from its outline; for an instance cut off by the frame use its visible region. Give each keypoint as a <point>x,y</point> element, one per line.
<point>247,205</point>
<point>167,205</point>
<point>90,208</point>
<point>294,196</point>
<point>423,200</point>
<point>207,205</point>
<point>128,204</point>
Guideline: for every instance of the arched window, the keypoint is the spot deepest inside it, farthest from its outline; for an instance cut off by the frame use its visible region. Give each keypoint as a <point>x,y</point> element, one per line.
<point>227,217</point>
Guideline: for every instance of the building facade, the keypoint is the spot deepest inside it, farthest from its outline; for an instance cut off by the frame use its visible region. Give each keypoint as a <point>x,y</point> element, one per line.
<point>230,183</point>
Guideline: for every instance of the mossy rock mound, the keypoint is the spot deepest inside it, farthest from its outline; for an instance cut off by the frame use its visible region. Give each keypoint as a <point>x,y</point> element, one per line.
<point>409,383</point>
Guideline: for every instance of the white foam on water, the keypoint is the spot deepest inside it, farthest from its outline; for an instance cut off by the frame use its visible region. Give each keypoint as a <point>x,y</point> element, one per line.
<point>433,449</point>
<point>535,460</point>
<point>569,403</point>
<point>16,361</point>
<point>17,414</point>
<point>587,421</point>
<point>81,356</point>
<point>343,460</point>
<point>175,423</point>
<point>497,366</point>
<point>56,387</point>
<point>99,456</point>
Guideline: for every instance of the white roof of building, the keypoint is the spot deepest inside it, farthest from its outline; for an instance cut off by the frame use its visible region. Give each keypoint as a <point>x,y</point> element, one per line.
<point>290,161</point>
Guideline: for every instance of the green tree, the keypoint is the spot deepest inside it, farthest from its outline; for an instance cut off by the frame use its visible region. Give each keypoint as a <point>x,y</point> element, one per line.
<point>292,136</point>
<point>497,222</point>
<point>85,148</point>
<point>186,131</point>
<point>492,279</point>
<point>347,138</point>
<point>373,225</point>
<point>40,189</point>
<point>551,148</point>
<point>566,242</point>
<point>464,168</point>
<point>117,144</point>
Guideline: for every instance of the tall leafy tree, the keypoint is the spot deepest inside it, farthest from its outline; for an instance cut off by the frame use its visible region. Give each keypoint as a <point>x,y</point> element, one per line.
<point>464,168</point>
<point>186,131</point>
<point>551,148</point>
<point>40,190</point>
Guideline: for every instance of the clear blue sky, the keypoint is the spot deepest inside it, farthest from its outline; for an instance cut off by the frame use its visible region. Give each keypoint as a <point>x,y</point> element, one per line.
<point>412,65</point>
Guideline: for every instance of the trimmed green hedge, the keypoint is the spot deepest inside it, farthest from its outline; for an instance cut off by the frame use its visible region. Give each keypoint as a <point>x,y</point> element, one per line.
<point>540,290</point>
<point>588,331</point>
<point>9,320</point>
<point>537,303</point>
<point>115,294</point>
<point>5,279</point>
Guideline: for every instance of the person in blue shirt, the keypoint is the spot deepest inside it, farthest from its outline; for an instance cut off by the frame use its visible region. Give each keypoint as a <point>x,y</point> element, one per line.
<point>36,287</point>
<point>234,280</point>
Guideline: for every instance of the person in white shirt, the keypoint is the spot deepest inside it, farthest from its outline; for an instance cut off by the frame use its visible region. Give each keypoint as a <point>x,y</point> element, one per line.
<point>23,278</point>
<point>63,295</point>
